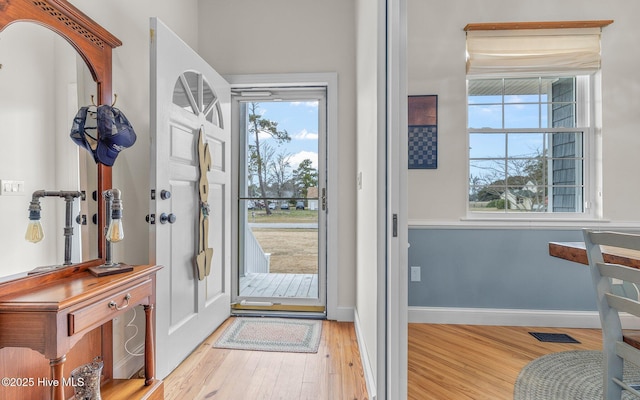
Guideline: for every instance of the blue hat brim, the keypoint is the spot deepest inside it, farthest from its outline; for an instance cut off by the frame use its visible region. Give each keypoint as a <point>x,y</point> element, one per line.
<point>115,133</point>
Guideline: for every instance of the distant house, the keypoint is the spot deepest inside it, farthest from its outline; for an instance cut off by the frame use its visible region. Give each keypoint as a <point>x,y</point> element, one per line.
<point>525,199</point>
<point>312,198</point>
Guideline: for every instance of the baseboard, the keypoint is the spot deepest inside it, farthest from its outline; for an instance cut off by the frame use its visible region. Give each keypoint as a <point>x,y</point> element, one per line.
<point>364,357</point>
<point>343,314</point>
<point>513,317</point>
<point>129,365</point>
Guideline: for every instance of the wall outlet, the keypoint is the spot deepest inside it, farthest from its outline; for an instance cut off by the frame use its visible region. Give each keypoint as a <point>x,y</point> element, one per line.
<point>415,274</point>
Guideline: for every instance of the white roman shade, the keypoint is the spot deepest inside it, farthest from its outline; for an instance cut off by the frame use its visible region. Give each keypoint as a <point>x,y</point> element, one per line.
<point>536,52</point>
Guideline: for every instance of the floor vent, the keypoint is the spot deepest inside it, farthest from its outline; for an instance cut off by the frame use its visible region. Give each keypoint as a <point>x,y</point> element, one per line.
<point>553,337</point>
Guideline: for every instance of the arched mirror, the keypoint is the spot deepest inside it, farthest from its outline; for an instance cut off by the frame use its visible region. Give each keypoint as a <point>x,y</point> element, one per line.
<point>42,81</point>
<point>53,59</point>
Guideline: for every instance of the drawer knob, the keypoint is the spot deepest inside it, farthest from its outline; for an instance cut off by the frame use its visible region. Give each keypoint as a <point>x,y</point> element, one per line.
<point>112,304</point>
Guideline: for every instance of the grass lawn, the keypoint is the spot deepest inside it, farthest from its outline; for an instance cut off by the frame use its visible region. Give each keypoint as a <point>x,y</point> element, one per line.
<point>293,251</point>
<point>292,216</point>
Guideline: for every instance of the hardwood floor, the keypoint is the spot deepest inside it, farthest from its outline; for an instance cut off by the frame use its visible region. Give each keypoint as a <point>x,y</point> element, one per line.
<point>478,362</point>
<point>446,362</point>
<point>334,372</point>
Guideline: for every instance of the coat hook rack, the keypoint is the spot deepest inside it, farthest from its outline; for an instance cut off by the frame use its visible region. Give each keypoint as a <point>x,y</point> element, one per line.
<point>115,98</point>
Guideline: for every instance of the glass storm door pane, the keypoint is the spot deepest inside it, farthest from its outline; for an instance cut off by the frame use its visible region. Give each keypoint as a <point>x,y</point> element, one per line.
<point>281,230</point>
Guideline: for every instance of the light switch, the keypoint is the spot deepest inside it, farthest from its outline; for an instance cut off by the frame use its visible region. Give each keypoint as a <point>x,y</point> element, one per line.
<point>11,188</point>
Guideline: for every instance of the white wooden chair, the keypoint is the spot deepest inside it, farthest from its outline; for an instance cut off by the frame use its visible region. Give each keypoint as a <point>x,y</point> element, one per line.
<point>616,346</point>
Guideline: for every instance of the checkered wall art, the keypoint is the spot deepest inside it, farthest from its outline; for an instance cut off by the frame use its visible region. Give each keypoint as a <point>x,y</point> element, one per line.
<point>423,147</point>
<point>423,132</point>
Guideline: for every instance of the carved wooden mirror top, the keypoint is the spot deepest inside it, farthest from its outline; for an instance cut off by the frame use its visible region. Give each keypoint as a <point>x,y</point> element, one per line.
<point>94,44</point>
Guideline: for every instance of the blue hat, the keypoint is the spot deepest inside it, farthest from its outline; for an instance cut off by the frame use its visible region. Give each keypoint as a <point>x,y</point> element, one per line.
<point>84,131</point>
<point>104,131</point>
<point>115,134</point>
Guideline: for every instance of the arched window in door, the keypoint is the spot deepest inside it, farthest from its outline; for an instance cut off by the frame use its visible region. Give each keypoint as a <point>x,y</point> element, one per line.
<point>194,94</point>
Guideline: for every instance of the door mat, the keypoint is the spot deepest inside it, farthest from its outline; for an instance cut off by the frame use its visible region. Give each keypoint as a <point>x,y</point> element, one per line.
<point>553,337</point>
<point>272,334</point>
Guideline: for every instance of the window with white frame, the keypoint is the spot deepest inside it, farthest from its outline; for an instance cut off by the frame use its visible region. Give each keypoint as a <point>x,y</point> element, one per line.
<point>530,121</point>
<point>527,144</point>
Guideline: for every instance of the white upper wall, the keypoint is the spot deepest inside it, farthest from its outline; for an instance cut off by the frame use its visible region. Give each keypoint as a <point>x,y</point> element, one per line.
<point>436,59</point>
<point>293,36</point>
<point>368,107</point>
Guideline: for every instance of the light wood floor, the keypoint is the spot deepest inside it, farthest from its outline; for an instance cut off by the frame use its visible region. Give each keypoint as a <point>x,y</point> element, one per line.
<point>446,362</point>
<point>478,362</point>
<point>334,372</point>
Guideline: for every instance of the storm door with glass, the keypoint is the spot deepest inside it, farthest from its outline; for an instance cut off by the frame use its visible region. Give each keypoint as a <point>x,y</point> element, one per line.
<point>281,199</point>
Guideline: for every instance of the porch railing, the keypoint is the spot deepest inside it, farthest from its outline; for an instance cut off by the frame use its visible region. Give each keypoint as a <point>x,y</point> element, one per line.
<point>255,259</point>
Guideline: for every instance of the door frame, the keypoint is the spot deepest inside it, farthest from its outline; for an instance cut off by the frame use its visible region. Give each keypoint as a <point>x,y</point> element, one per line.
<point>275,94</point>
<point>393,267</point>
<point>330,80</point>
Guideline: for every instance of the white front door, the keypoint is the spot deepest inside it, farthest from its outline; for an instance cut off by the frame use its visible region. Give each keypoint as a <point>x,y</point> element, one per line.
<point>187,97</point>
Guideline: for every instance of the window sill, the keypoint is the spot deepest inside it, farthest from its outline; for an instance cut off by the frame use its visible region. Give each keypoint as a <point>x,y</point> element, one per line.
<point>486,222</point>
<point>542,221</point>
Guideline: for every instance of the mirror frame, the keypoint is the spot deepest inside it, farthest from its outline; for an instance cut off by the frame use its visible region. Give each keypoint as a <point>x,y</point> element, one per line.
<point>95,45</point>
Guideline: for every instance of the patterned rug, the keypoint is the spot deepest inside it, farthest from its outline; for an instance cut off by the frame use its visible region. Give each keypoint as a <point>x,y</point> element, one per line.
<point>272,334</point>
<point>567,375</point>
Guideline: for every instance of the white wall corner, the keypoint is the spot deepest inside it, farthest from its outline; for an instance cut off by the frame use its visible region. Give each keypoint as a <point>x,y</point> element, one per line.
<point>364,357</point>
<point>513,317</point>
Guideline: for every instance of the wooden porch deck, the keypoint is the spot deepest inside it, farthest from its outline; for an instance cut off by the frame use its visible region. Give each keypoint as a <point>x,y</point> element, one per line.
<point>279,285</point>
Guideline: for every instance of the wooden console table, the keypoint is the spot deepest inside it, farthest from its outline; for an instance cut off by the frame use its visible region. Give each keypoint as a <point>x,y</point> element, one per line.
<point>575,251</point>
<point>51,318</point>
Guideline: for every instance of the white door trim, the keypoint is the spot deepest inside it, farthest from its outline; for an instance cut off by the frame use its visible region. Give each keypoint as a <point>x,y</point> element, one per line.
<point>330,80</point>
<point>394,359</point>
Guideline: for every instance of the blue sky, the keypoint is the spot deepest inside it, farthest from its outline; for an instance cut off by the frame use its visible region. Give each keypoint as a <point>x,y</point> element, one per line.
<point>519,112</point>
<point>300,120</point>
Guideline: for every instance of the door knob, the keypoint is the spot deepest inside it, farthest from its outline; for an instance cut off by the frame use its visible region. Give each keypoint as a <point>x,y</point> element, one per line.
<point>164,218</point>
<point>165,194</point>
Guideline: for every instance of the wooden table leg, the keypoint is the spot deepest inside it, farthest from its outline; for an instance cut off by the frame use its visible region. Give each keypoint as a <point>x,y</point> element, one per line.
<point>57,374</point>
<point>149,347</point>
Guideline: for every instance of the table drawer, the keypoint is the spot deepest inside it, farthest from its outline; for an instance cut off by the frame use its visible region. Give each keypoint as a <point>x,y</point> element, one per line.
<point>108,308</point>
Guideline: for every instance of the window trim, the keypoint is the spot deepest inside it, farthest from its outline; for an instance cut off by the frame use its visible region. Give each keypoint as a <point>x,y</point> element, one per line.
<point>496,26</point>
